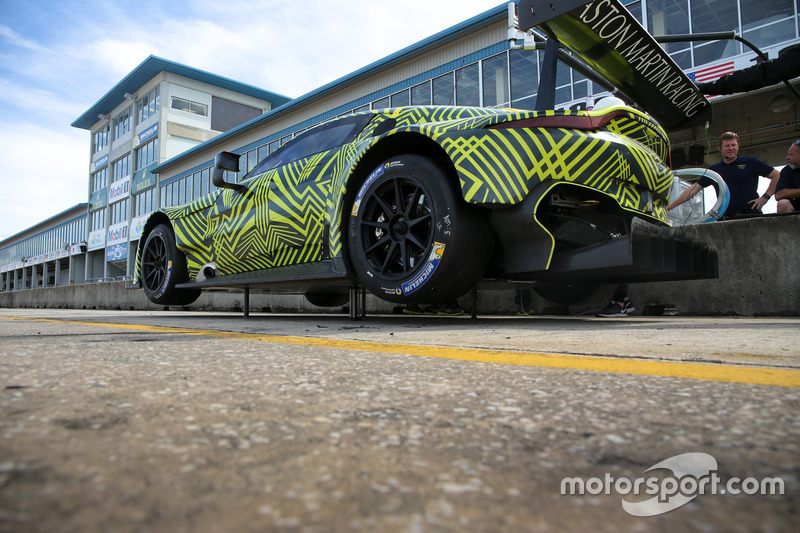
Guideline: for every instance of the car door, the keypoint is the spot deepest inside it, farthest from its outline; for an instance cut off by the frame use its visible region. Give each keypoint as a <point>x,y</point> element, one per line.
<point>300,189</point>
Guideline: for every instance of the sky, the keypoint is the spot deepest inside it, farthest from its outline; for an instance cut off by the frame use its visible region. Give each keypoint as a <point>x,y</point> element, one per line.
<point>59,57</point>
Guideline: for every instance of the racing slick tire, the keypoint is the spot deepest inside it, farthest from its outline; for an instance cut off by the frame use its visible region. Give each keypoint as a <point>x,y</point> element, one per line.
<point>411,236</point>
<point>164,267</point>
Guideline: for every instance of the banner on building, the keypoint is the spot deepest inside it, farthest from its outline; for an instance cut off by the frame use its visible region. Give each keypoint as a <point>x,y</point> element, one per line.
<point>117,233</point>
<point>117,252</point>
<point>119,190</point>
<point>142,180</point>
<point>100,163</point>
<point>97,240</point>
<point>141,138</point>
<point>98,200</point>
<point>137,227</point>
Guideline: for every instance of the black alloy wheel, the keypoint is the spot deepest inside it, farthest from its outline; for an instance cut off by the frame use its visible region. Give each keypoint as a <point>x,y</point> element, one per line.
<point>164,267</point>
<point>412,238</point>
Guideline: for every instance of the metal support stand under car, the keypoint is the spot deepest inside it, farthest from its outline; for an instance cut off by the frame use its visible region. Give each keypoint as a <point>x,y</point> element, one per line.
<point>358,303</point>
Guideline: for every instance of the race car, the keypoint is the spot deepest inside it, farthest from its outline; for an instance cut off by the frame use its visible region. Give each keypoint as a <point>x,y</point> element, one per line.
<point>422,204</point>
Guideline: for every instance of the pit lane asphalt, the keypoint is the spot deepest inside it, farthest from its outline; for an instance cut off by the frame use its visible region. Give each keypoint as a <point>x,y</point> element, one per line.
<point>186,421</point>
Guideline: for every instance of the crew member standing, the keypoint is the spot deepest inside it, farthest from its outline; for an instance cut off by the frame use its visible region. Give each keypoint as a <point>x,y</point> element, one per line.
<point>741,175</point>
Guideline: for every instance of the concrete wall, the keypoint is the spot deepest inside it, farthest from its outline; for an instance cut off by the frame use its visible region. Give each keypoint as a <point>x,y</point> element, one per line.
<point>759,271</point>
<point>759,275</point>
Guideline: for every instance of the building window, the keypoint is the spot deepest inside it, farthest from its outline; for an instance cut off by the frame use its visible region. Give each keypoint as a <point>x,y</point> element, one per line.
<point>186,189</point>
<point>182,104</point>
<point>121,168</point>
<point>248,161</point>
<point>97,220</point>
<point>100,179</point>
<point>400,99</point>
<point>119,211</point>
<point>467,86</point>
<point>708,17</point>
<point>166,195</point>
<point>148,106</point>
<point>146,154</point>
<point>100,139</point>
<point>767,23</point>
<point>635,7</point>
<point>524,78</point>
<point>383,103</point>
<point>495,81</point>
<point>122,123</point>
<point>421,94</point>
<point>444,90</point>
<point>671,17</point>
<point>200,184</point>
<point>145,202</point>
<point>263,151</point>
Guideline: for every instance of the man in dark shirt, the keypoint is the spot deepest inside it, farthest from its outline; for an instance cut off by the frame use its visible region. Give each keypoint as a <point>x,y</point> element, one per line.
<point>788,191</point>
<point>740,175</point>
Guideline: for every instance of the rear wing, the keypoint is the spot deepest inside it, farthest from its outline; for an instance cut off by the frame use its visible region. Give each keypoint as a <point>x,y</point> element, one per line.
<point>604,35</point>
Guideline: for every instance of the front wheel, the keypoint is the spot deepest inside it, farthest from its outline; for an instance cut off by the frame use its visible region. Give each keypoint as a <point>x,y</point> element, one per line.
<point>163,267</point>
<point>412,238</point>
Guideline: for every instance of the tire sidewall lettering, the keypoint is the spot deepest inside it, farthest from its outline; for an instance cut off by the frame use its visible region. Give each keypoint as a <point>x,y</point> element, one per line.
<point>425,274</point>
<point>167,277</point>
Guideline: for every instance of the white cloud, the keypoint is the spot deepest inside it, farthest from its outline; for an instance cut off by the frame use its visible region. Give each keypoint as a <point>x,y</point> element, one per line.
<point>16,40</point>
<point>39,182</point>
<point>58,57</point>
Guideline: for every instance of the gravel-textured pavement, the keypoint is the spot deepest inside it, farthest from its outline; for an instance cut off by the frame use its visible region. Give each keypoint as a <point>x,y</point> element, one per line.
<point>125,427</point>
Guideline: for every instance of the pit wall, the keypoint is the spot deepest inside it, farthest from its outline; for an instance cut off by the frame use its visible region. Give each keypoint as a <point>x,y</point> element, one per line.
<point>759,275</point>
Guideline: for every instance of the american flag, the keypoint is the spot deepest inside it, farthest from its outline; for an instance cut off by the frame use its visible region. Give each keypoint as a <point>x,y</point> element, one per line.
<point>711,73</point>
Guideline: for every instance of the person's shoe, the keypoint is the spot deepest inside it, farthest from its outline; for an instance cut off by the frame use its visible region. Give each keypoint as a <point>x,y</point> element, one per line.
<point>613,310</point>
<point>628,307</point>
<point>450,310</point>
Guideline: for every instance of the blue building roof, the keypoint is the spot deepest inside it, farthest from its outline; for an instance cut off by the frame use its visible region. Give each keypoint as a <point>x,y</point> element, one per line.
<point>152,66</point>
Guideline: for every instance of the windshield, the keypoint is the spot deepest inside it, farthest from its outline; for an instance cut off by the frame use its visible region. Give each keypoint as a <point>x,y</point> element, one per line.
<point>318,139</point>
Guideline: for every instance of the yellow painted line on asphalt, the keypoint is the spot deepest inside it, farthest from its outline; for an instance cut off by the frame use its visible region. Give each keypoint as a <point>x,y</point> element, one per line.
<point>701,371</point>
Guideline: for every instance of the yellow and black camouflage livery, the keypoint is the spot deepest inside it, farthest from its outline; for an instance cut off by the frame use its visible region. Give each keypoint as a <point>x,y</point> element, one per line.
<point>294,214</point>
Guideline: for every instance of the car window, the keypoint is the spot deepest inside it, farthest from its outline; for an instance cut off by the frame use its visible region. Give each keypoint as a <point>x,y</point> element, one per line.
<point>319,139</point>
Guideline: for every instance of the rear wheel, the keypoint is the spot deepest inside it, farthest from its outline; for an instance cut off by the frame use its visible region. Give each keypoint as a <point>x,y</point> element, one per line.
<point>412,238</point>
<point>163,267</point>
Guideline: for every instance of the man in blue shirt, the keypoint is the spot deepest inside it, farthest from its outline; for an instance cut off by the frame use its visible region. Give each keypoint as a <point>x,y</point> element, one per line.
<point>740,175</point>
<point>788,191</point>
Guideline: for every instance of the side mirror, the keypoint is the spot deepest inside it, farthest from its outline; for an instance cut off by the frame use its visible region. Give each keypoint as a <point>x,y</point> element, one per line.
<point>222,162</point>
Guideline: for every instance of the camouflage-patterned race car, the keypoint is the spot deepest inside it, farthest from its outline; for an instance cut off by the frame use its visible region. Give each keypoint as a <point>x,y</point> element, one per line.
<point>420,204</point>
